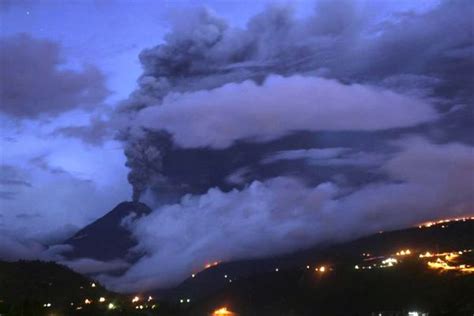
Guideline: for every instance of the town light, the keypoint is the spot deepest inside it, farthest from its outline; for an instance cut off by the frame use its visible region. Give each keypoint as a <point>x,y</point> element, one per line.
<point>222,311</point>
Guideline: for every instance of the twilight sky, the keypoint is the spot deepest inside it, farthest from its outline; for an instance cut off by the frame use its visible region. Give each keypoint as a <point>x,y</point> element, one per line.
<point>251,128</point>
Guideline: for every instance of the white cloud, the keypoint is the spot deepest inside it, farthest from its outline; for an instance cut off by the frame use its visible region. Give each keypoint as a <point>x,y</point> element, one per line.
<point>218,117</point>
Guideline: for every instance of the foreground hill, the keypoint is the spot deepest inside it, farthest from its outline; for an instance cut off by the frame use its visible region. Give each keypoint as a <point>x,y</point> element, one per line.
<point>344,291</point>
<point>35,288</point>
<point>428,269</point>
<point>439,237</point>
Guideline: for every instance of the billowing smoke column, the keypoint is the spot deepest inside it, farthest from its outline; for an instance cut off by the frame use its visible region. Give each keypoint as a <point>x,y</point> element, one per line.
<point>344,40</point>
<point>144,161</point>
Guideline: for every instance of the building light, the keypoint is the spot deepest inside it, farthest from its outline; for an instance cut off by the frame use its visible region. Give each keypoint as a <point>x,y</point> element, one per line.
<point>111,306</point>
<point>276,269</point>
<point>150,298</point>
<point>188,300</point>
<point>181,301</point>
<point>222,311</point>
<point>93,285</point>
<point>135,299</point>
<point>102,299</point>
<point>193,275</point>
<point>87,301</point>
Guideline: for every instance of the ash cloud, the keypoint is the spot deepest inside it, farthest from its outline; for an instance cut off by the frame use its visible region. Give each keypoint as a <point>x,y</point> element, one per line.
<point>424,56</point>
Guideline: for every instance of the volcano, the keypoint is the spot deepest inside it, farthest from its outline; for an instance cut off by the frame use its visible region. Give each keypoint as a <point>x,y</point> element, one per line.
<point>107,238</point>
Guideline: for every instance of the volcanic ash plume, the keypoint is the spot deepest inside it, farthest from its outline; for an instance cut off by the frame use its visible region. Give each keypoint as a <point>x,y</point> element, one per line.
<point>145,162</point>
<point>342,40</point>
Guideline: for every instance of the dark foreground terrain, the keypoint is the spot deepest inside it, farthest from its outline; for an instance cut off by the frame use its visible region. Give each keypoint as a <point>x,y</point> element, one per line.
<point>425,270</point>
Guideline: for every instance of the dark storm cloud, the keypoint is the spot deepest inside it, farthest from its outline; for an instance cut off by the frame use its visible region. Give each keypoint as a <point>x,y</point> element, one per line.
<point>11,176</point>
<point>7,195</point>
<point>34,82</point>
<point>96,133</point>
<point>11,179</point>
<point>42,163</point>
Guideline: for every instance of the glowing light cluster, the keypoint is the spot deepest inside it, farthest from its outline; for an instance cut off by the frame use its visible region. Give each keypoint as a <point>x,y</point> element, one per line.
<point>445,221</point>
<point>135,299</point>
<point>213,264</point>
<point>405,252</point>
<point>222,311</point>
<point>389,262</point>
<point>443,265</point>
<point>445,261</point>
<point>426,255</point>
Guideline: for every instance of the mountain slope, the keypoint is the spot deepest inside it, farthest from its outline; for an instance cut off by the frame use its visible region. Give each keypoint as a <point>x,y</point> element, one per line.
<point>106,238</point>
<point>447,237</point>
